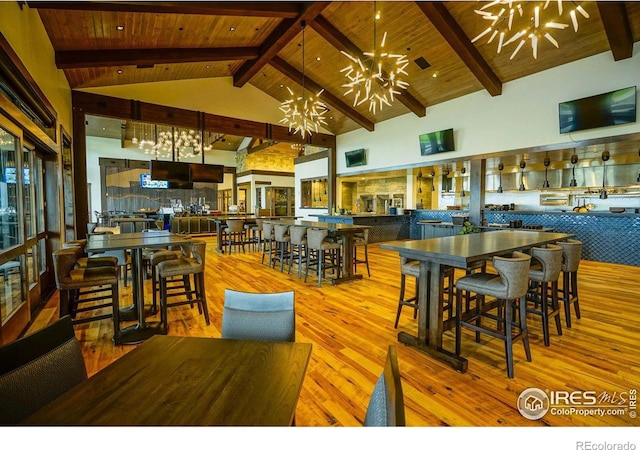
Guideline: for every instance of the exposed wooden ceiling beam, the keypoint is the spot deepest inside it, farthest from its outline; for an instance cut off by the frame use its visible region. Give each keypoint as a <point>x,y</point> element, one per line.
<point>616,25</point>
<point>441,18</point>
<point>335,37</point>
<point>261,146</point>
<point>78,59</point>
<point>247,9</point>
<point>276,41</point>
<point>326,97</point>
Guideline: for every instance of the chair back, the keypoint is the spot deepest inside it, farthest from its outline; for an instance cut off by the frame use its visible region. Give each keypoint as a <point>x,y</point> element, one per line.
<point>64,261</point>
<point>315,238</point>
<point>280,232</point>
<point>386,406</point>
<point>267,230</point>
<point>298,235</point>
<point>235,225</point>
<point>259,316</point>
<point>199,251</point>
<point>571,255</point>
<point>550,257</point>
<point>37,369</point>
<point>91,226</point>
<point>514,272</point>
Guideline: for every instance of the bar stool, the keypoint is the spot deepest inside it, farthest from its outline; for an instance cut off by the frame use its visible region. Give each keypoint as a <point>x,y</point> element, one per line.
<point>361,240</point>
<point>184,267</point>
<point>411,267</point>
<point>544,272</point>
<point>267,244</point>
<point>509,288</point>
<point>322,253</point>
<point>571,255</point>
<point>254,233</point>
<point>95,286</point>
<point>298,244</point>
<point>282,239</point>
<point>234,234</point>
<point>155,259</point>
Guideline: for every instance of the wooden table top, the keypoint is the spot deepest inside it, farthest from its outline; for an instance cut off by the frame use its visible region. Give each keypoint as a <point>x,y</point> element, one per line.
<point>461,250</point>
<point>171,380</point>
<point>134,240</point>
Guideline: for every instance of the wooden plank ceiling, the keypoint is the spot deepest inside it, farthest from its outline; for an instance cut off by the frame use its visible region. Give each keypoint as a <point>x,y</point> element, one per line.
<point>260,43</point>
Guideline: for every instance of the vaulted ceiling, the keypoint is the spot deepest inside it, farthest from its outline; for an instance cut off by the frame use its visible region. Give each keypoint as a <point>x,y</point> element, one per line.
<point>111,43</point>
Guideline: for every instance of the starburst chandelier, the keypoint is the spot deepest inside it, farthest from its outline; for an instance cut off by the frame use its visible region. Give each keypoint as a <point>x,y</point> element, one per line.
<point>375,77</point>
<point>303,114</point>
<point>508,16</point>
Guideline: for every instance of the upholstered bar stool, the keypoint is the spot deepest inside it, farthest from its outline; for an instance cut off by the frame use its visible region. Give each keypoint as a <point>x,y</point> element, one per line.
<point>254,233</point>
<point>411,267</point>
<point>322,253</point>
<point>361,240</point>
<point>509,288</point>
<point>158,257</point>
<point>234,234</point>
<point>267,244</point>
<point>545,269</point>
<point>571,255</point>
<point>282,240</point>
<point>86,289</point>
<point>184,267</point>
<point>298,245</point>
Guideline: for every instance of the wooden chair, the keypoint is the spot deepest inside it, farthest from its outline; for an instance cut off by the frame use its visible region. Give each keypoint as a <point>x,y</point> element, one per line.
<point>37,369</point>
<point>386,406</point>
<point>259,316</point>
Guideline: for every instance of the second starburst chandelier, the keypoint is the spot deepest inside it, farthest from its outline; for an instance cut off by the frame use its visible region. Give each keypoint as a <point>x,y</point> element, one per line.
<point>303,114</point>
<point>375,77</point>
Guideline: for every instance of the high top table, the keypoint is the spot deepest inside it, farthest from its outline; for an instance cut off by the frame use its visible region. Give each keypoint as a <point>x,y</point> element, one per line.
<point>199,381</point>
<point>459,251</point>
<point>136,242</point>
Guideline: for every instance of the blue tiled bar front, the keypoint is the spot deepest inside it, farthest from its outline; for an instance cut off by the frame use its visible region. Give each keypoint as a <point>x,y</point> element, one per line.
<point>606,237</point>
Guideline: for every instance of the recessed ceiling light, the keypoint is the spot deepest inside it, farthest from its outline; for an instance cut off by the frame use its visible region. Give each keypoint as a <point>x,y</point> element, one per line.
<point>119,71</point>
<point>318,58</point>
<point>232,29</point>
<point>208,66</point>
<point>281,86</point>
<point>119,27</point>
<point>435,75</point>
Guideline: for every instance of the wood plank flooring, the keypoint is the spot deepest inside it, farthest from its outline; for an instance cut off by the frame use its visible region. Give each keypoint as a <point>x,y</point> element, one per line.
<point>351,326</point>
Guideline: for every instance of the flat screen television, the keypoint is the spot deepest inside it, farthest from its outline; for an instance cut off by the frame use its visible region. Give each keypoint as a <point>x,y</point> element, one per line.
<point>603,110</point>
<point>206,173</point>
<point>169,170</point>
<point>437,142</point>
<point>146,182</point>
<point>356,158</point>
<point>180,184</point>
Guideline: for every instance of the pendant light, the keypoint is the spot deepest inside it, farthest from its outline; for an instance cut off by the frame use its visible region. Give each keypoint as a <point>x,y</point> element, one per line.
<point>605,158</point>
<point>523,164</point>
<point>433,180</point>
<point>574,161</point>
<point>547,161</point>
<point>463,171</point>
<point>420,181</point>
<point>500,169</point>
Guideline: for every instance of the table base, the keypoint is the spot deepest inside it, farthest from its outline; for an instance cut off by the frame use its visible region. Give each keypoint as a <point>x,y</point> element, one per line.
<point>139,333</point>
<point>130,313</point>
<point>457,362</point>
<point>356,276</point>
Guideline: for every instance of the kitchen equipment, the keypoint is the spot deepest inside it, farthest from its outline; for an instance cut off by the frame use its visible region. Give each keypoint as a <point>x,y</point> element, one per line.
<point>583,208</point>
<point>590,206</point>
<point>616,209</point>
<point>400,211</point>
<point>515,223</point>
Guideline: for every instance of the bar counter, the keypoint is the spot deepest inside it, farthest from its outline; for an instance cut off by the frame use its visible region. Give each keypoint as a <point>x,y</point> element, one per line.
<point>383,227</point>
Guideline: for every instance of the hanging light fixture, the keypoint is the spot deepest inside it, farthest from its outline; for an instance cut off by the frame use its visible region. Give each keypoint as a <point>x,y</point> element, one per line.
<point>523,164</point>
<point>419,181</point>
<point>547,162</point>
<point>433,180</point>
<point>463,171</point>
<point>500,169</point>
<point>605,158</point>
<point>375,77</point>
<point>303,114</point>
<point>574,161</point>
<point>134,140</point>
<point>505,17</point>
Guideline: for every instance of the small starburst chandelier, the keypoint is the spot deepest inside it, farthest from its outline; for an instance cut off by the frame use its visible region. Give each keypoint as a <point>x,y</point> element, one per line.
<point>303,114</point>
<point>376,77</point>
<point>507,16</point>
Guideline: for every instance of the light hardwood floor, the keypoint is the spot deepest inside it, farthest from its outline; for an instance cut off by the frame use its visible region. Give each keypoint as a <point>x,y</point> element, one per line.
<point>351,326</point>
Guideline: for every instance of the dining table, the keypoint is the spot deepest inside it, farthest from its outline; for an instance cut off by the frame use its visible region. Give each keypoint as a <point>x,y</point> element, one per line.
<point>342,230</point>
<point>460,251</point>
<point>188,381</point>
<point>136,242</point>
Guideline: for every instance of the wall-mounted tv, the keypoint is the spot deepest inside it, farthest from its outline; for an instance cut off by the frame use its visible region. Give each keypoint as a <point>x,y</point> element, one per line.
<point>169,170</point>
<point>146,182</point>
<point>180,185</point>
<point>437,142</point>
<point>356,158</point>
<point>603,110</point>
<point>10,175</point>
<point>206,173</point>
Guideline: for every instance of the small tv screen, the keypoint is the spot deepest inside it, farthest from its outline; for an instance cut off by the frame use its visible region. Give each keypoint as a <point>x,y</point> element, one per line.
<point>206,173</point>
<point>613,108</point>
<point>169,170</point>
<point>437,142</point>
<point>10,175</point>
<point>146,182</point>
<point>356,158</point>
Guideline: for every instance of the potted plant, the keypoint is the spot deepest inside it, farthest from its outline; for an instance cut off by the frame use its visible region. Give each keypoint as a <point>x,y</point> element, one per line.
<point>467,228</point>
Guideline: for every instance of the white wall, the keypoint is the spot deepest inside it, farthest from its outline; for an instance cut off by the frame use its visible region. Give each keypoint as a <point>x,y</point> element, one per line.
<point>525,115</point>
<point>312,169</point>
